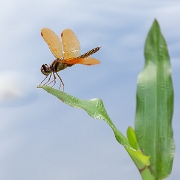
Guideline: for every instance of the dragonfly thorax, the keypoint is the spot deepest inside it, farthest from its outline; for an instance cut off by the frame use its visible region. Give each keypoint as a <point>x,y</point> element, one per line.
<point>58,65</point>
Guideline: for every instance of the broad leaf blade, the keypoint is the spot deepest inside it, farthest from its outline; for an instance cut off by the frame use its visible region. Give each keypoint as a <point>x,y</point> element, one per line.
<point>95,108</point>
<point>154,111</point>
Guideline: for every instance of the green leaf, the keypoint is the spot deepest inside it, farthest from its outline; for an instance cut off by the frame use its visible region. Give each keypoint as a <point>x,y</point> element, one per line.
<point>95,108</point>
<point>154,111</point>
<point>132,138</point>
<point>142,162</point>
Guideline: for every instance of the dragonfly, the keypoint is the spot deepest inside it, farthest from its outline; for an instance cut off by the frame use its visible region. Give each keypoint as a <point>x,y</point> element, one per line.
<point>66,52</point>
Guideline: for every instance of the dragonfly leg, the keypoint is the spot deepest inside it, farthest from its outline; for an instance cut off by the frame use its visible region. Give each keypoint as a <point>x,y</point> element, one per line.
<point>45,79</point>
<point>61,81</point>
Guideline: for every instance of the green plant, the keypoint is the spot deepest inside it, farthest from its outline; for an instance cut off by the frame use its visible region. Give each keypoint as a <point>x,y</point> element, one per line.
<point>151,145</point>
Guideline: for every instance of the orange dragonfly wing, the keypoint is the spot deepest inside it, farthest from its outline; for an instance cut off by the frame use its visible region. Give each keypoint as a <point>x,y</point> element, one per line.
<point>53,41</point>
<point>85,58</point>
<point>71,45</point>
<point>86,61</point>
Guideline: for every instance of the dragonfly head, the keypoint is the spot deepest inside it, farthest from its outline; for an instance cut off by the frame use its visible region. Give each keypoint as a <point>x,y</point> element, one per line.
<point>46,69</point>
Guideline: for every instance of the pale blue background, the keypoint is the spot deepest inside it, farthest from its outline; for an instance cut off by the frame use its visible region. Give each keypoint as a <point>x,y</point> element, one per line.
<point>43,139</point>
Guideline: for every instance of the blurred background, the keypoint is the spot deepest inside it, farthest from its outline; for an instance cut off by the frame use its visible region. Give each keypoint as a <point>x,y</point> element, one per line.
<point>42,138</point>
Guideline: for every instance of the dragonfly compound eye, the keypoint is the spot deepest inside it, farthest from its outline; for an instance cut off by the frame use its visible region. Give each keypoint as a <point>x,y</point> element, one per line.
<point>45,69</point>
